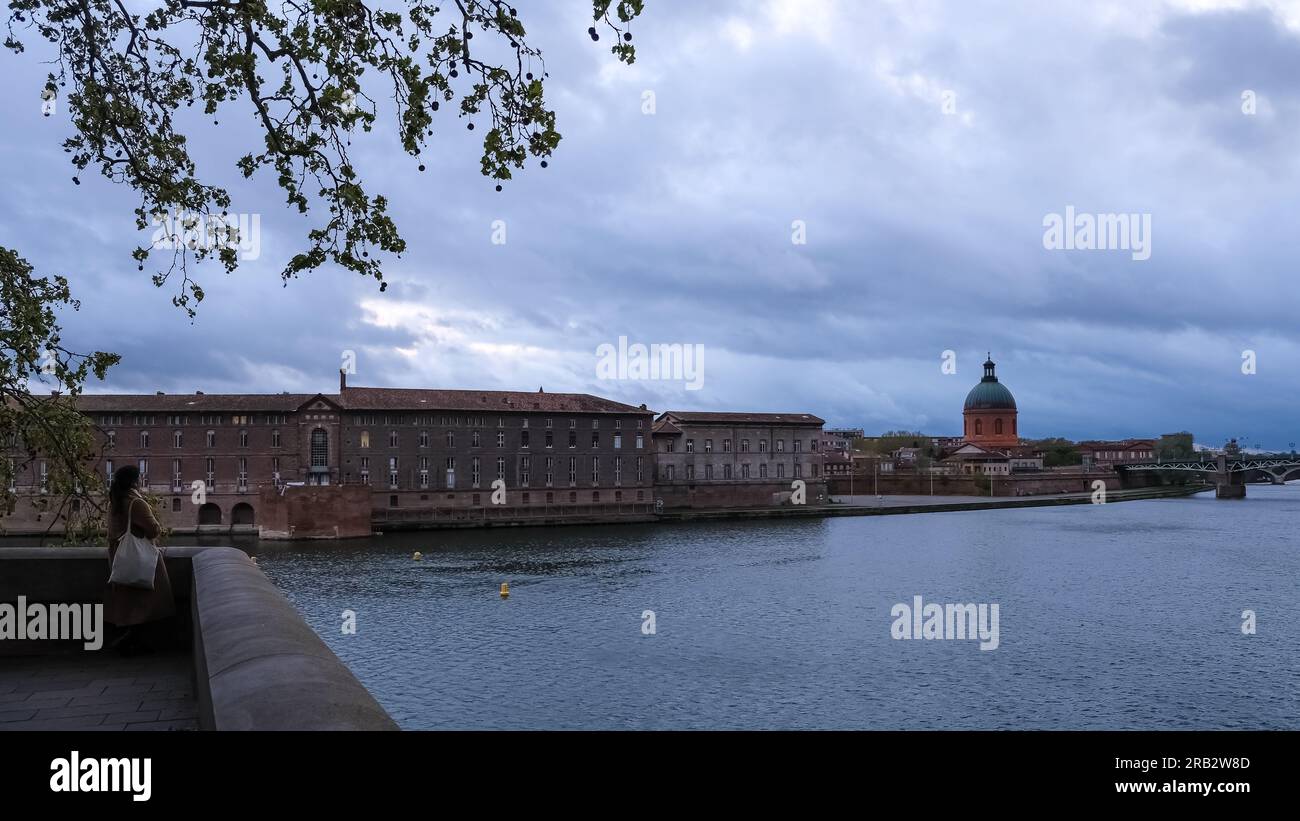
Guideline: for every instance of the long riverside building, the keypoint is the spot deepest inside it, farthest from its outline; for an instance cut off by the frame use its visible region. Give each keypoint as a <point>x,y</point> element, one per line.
<point>333,465</point>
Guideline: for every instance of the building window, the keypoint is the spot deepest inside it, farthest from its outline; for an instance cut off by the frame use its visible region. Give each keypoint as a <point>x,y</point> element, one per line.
<point>595,470</point>
<point>45,476</point>
<point>690,472</point>
<point>744,446</point>
<point>726,446</point>
<point>144,474</point>
<point>275,438</point>
<point>365,470</point>
<point>595,440</point>
<point>595,496</point>
<point>144,438</point>
<point>744,471</point>
<point>780,470</point>
<point>450,467</point>
<point>762,446</point>
<point>997,426</point>
<point>211,437</point>
<point>640,441</point>
<point>365,438</point>
<point>708,472</point>
<point>573,423</point>
<point>451,440</point>
<point>638,470</point>
<point>108,468</point>
<point>550,471</point>
<point>618,471</point>
<point>668,445</point>
<point>573,439</point>
<point>392,501</point>
<point>501,438</point>
<point>243,438</point>
<point>690,446</point>
<point>668,472</point>
<point>798,470</point>
<point>177,439</point>
<point>275,469</point>
<point>474,472</point>
<point>243,474</point>
<point>474,440</point>
<point>708,446</point>
<point>796,445</point>
<point>210,473</point>
<point>762,470</point>
<point>424,438</point>
<point>392,473</point>
<point>979,427</point>
<point>523,437</point>
<point>501,468</point>
<point>780,446</point>
<point>320,448</point>
<point>392,438</point>
<point>573,471</point>
<point>112,438</point>
<point>618,441</point>
<point>177,483</point>
<point>524,464</point>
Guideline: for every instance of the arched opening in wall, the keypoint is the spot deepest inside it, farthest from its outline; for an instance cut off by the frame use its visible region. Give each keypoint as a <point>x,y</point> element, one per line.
<point>979,427</point>
<point>209,514</point>
<point>241,514</point>
<point>1013,425</point>
<point>997,427</point>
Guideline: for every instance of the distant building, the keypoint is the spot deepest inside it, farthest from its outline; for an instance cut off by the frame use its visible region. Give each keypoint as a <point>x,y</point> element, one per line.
<point>989,414</point>
<point>1105,455</point>
<point>843,438</point>
<point>709,459</point>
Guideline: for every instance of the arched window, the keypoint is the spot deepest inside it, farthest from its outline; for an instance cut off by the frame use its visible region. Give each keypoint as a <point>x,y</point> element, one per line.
<point>979,427</point>
<point>320,448</point>
<point>997,426</point>
<point>1013,424</point>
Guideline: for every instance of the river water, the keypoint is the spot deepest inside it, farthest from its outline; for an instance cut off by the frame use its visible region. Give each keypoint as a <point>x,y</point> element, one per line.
<point>1112,616</point>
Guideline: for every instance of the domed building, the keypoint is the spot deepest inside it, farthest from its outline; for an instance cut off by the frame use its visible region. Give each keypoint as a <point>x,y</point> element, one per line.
<point>990,413</point>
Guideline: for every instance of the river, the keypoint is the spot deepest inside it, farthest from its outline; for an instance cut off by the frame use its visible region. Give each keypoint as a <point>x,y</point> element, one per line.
<point>1111,616</point>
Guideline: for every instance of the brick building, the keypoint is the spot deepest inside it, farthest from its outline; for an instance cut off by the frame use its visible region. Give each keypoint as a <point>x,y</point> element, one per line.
<point>1105,455</point>
<point>705,459</point>
<point>427,456</point>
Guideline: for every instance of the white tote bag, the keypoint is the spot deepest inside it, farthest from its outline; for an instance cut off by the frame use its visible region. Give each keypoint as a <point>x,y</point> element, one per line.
<point>136,559</point>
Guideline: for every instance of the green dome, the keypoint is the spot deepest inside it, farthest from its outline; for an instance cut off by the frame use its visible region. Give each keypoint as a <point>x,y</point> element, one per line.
<point>990,394</point>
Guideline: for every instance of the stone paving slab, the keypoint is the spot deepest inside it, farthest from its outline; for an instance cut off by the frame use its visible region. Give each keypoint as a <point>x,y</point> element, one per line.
<point>97,691</point>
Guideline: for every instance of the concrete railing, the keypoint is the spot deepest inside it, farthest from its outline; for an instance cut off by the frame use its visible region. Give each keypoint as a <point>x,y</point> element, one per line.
<point>256,663</point>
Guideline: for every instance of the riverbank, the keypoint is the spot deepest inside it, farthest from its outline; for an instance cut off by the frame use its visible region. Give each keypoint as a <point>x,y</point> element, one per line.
<point>892,505</point>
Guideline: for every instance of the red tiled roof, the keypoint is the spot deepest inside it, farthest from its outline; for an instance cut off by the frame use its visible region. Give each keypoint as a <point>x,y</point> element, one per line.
<point>664,426</point>
<point>485,401</point>
<point>192,402</point>
<point>745,418</point>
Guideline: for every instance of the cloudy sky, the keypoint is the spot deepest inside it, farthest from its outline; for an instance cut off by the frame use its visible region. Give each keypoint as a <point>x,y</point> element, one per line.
<point>921,144</point>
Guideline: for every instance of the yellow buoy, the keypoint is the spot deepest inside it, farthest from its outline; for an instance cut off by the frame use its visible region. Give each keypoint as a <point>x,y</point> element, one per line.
<point>505,590</point>
<point>418,555</point>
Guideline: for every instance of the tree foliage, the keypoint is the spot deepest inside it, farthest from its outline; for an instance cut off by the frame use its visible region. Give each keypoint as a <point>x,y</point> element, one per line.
<point>44,429</point>
<point>312,74</point>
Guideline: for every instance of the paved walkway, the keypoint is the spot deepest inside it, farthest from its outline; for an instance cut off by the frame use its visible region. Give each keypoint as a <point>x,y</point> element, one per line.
<point>97,691</point>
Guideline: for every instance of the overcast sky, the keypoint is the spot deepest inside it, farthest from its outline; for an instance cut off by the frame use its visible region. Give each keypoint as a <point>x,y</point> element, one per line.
<point>924,214</point>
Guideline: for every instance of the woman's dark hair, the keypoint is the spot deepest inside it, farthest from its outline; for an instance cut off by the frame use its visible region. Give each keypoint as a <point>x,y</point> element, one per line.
<point>125,480</point>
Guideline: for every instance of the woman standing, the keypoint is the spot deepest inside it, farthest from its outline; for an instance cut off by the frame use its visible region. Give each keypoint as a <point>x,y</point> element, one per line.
<point>133,606</point>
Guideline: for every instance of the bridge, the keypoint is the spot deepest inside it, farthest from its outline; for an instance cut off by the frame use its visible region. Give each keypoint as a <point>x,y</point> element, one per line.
<point>1229,472</point>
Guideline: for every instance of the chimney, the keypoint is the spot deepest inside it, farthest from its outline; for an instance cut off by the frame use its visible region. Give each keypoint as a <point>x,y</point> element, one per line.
<point>343,380</point>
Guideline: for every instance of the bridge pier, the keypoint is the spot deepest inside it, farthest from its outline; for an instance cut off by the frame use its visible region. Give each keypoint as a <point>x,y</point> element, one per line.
<point>1231,484</point>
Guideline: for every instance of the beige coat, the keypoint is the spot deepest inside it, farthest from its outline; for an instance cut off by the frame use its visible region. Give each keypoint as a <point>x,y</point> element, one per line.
<point>125,606</point>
